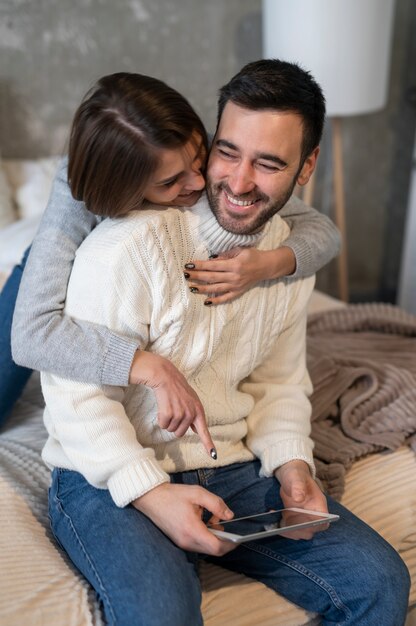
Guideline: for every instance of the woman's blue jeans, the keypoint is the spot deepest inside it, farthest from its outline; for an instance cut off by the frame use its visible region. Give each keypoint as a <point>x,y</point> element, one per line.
<point>13,378</point>
<point>348,573</point>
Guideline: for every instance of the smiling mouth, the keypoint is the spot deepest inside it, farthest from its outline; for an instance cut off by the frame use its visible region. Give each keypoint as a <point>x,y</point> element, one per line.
<point>236,202</point>
<point>191,194</point>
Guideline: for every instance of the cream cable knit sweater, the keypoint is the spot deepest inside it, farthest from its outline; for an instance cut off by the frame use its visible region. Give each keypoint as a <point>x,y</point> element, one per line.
<point>245,359</point>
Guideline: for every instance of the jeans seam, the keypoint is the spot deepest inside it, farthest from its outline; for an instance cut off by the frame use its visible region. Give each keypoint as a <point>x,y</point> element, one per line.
<point>301,569</point>
<point>85,553</point>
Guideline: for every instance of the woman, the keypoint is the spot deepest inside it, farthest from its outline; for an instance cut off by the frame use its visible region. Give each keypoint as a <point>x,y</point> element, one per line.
<point>44,337</point>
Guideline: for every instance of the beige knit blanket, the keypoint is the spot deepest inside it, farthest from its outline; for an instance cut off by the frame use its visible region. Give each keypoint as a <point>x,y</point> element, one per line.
<point>362,361</point>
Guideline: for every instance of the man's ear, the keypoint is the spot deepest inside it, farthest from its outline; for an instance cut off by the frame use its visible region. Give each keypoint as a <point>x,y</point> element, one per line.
<point>308,167</point>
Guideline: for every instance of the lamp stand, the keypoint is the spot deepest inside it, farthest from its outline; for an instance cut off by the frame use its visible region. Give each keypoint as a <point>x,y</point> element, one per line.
<point>338,177</point>
<point>339,217</point>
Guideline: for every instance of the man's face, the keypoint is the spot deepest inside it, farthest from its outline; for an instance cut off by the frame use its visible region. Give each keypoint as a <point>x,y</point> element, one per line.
<point>254,165</point>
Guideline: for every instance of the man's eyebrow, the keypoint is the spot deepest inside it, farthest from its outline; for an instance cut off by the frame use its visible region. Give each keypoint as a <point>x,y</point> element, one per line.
<point>225,144</point>
<point>271,157</point>
<point>265,156</point>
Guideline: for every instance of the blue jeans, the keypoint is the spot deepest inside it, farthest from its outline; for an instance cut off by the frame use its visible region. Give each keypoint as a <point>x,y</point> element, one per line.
<point>348,574</point>
<point>13,378</point>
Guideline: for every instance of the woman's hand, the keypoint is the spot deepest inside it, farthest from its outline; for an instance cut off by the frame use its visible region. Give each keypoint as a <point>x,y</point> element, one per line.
<point>229,275</point>
<point>179,407</point>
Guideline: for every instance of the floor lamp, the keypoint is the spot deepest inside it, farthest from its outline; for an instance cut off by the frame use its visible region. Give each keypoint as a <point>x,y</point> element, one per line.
<point>345,44</point>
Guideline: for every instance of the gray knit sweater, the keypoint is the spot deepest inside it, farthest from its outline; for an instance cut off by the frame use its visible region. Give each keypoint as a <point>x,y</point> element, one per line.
<point>44,338</point>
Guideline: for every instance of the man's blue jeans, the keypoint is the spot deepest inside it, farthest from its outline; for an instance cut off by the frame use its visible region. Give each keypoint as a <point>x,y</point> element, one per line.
<point>348,573</point>
<point>13,378</point>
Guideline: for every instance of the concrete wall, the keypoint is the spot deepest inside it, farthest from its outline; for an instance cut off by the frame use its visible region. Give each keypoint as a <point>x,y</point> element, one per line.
<point>52,51</point>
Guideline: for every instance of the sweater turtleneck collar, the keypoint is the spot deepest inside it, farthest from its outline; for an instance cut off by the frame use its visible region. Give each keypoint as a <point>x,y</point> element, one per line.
<point>215,237</point>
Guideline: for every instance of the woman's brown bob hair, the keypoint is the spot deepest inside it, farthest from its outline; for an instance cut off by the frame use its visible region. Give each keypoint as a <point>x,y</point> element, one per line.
<point>115,135</point>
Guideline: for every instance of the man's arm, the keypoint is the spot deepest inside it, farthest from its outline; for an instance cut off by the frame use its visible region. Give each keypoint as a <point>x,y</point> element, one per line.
<point>98,440</point>
<point>43,337</point>
<point>279,423</point>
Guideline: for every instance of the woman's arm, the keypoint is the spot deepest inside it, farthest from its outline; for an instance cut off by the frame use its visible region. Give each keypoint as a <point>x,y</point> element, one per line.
<point>314,240</point>
<point>43,337</point>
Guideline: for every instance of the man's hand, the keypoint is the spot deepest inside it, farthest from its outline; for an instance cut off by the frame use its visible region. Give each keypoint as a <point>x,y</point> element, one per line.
<point>177,511</point>
<point>178,405</point>
<point>298,489</point>
<point>234,272</point>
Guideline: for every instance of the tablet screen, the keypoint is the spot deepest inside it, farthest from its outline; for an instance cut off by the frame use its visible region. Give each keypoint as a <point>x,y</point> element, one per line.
<point>271,520</point>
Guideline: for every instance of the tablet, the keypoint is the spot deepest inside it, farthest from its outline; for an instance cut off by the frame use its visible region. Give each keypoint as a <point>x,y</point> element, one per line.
<point>283,521</point>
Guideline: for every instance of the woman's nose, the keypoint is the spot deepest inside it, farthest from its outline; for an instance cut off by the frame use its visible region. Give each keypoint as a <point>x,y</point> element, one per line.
<point>195,181</point>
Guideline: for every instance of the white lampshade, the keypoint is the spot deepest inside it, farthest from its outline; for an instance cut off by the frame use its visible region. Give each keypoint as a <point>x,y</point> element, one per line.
<point>345,44</point>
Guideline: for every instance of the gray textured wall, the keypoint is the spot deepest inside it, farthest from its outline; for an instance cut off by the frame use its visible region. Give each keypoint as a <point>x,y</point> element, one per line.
<point>52,51</point>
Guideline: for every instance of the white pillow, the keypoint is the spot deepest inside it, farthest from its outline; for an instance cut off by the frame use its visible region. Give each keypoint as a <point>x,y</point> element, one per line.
<point>31,182</point>
<point>14,239</point>
<point>7,211</point>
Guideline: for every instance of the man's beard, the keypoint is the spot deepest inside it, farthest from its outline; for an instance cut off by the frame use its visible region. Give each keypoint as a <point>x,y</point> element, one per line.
<point>243,225</point>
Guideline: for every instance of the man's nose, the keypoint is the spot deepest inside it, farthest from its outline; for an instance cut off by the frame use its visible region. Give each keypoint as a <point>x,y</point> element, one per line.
<point>241,180</point>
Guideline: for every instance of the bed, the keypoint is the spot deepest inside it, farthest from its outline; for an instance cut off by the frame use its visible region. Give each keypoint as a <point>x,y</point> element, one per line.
<point>369,467</point>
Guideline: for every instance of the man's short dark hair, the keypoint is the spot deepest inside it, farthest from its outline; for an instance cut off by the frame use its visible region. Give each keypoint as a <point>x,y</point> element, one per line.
<point>280,85</point>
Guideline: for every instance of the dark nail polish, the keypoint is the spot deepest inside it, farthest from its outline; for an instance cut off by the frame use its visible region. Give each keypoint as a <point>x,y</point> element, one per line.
<point>186,275</point>
<point>213,453</point>
<point>193,289</point>
<point>207,302</point>
<point>190,266</point>
<point>213,256</point>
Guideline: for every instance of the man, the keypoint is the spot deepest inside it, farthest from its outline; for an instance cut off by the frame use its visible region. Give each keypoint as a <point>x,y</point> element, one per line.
<point>129,501</point>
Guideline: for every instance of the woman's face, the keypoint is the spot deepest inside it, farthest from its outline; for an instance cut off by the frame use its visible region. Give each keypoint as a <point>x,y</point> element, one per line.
<point>178,179</point>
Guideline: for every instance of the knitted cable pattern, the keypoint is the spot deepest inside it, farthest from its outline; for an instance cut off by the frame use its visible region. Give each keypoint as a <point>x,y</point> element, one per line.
<point>128,276</point>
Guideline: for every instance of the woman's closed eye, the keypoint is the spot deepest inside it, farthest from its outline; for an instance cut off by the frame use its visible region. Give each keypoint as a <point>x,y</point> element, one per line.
<point>170,183</point>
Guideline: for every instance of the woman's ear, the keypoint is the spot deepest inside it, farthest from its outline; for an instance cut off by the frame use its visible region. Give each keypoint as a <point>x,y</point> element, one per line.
<point>308,167</point>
